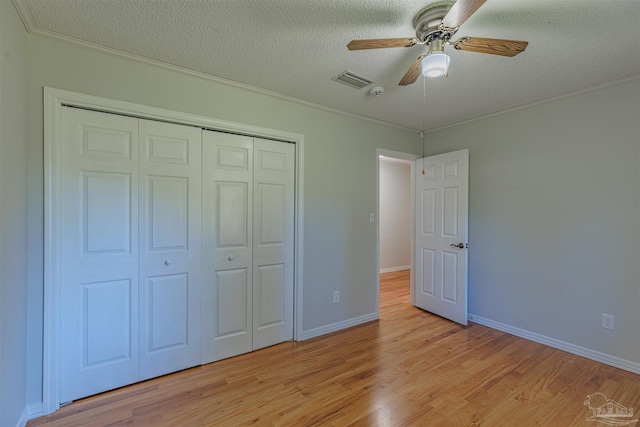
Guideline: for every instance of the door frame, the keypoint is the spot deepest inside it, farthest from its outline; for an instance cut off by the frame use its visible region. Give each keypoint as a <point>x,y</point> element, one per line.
<point>54,101</point>
<point>410,157</point>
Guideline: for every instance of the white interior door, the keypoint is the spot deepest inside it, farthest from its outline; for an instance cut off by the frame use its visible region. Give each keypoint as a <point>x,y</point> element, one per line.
<point>442,189</point>
<point>170,248</point>
<point>97,199</point>
<point>273,191</point>
<point>227,203</point>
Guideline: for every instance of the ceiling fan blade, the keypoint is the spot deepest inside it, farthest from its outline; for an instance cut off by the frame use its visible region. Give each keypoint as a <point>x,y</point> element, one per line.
<point>381,43</point>
<point>460,12</point>
<point>413,72</point>
<point>491,46</point>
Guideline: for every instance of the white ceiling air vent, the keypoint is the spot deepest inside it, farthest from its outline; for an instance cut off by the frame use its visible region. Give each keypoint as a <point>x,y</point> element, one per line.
<point>351,79</point>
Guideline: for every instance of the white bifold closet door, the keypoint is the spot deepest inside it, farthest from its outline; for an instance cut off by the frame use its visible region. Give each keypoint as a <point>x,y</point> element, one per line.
<point>174,247</point>
<point>98,252</point>
<point>129,251</point>
<point>248,231</point>
<point>170,248</point>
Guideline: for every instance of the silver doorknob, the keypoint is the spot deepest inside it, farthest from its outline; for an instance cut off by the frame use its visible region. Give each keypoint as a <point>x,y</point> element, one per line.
<point>167,262</point>
<point>459,245</point>
<point>230,258</point>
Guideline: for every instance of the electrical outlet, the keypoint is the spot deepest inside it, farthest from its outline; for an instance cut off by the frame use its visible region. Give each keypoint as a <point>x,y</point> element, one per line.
<point>336,296</point>
<point>608,321</point>
<point>372,217</point>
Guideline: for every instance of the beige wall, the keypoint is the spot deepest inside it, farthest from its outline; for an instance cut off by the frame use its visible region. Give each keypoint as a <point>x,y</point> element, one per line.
<point>13,212</point>
<point>339,170</point>
<point>554,217</point>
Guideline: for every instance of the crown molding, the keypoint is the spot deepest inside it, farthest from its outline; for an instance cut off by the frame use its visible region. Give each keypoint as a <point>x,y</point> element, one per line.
<point>25,15</point>
<point>32,28</point>
<point>541,102</point>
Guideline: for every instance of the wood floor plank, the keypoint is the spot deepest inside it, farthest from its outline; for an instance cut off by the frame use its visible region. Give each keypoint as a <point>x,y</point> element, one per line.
<point>410,368</point>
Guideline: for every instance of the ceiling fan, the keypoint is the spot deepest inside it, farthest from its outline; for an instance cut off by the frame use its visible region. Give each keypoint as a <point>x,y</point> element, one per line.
<point>435,26</point>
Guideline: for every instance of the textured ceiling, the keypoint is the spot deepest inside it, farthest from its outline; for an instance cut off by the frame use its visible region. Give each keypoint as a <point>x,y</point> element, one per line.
<point>295,47</point>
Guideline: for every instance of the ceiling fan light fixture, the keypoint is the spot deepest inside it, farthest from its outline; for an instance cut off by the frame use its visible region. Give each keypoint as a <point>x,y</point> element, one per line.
<point>436,63</point>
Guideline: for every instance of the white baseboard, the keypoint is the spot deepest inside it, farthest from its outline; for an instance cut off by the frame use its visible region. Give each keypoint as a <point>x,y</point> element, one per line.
<point>392,269</point>
<point>31,411</point>
<point>316,332</point>
<point>607,359</point>
<point>22,422</point>
<point>35,410</point>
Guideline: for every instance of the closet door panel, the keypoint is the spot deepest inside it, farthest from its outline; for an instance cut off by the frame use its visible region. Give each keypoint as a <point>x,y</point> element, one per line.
<point>269,292</point>
<point>227,245</point>
<point>170,243</point>
<point>106,228</point>
<point>231,308</point>
<point>168,199</point>
<point>168,302</point>
<point>96,198</point>
<point>273,225</point>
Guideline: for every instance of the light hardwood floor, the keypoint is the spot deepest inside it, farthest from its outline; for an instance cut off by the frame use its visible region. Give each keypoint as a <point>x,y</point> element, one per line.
<point>410,368</point>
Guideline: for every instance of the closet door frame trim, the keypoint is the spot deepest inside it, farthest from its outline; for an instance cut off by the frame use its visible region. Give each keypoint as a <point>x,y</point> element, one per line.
<point>54,101</point>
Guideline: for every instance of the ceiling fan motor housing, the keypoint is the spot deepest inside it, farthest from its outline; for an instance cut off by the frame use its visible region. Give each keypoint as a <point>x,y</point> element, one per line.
<point>427,23</point>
